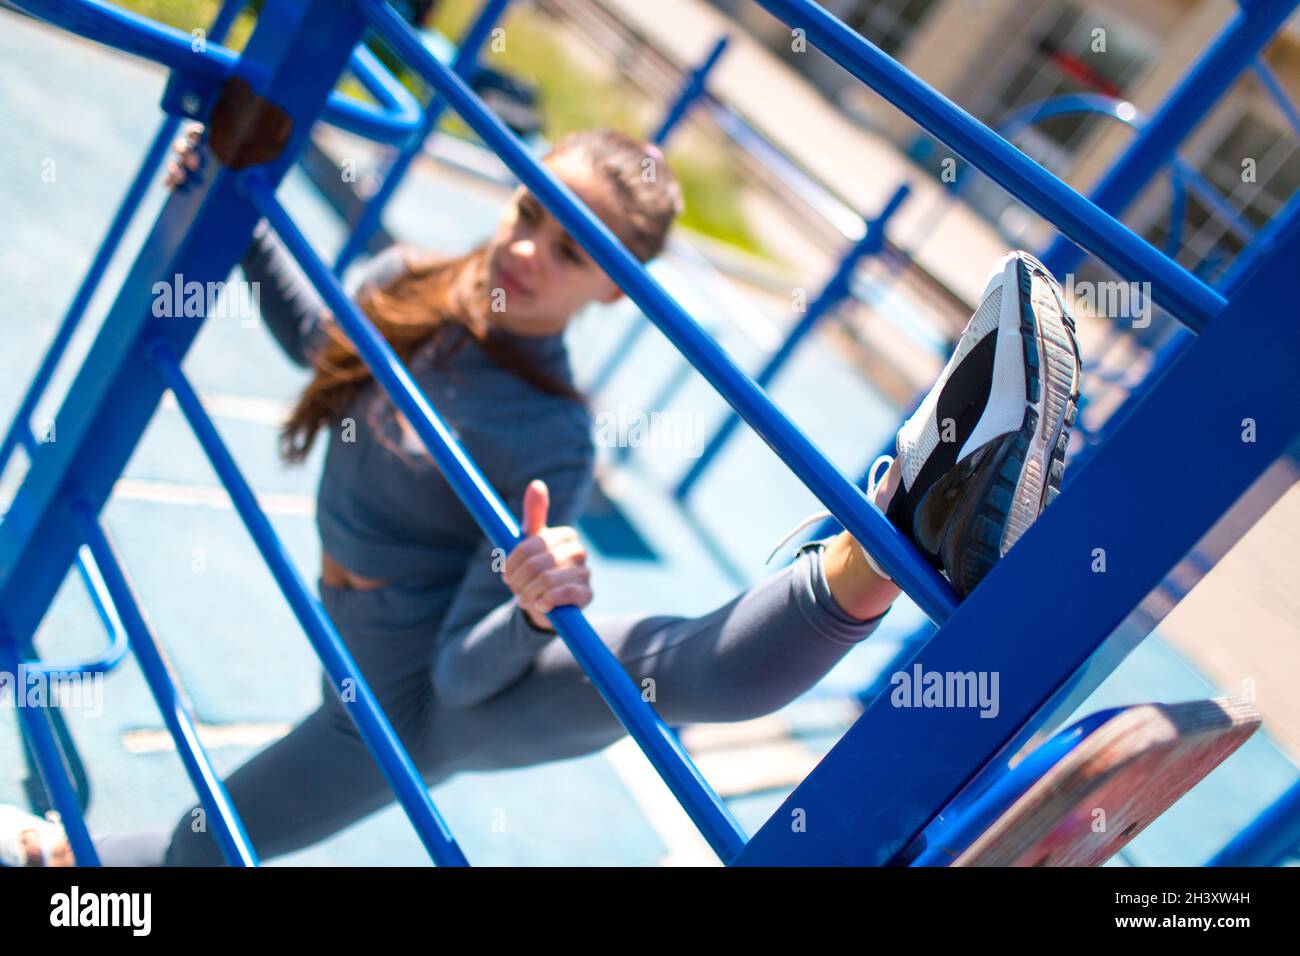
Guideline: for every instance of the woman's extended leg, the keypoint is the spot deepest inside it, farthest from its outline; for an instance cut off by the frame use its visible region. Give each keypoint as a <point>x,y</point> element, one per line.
<point>963,502</point>
<point>320,777</point>
<point>749,657</point>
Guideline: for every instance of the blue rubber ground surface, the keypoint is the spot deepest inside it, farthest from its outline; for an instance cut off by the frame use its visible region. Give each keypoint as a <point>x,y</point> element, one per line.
<point>228,633</point>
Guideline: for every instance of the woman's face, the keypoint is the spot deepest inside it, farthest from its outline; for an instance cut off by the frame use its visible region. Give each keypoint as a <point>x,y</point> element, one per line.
<point>538,275</point>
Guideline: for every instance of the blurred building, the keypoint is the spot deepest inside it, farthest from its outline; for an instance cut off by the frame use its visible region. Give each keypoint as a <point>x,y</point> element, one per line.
<point>995,56</point>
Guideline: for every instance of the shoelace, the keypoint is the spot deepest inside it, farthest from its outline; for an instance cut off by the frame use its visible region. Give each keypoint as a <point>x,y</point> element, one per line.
<point>874,478</point>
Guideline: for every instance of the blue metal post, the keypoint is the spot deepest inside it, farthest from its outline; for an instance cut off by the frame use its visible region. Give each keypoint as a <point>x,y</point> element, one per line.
<point>172,705</point>
<point>375,729</point>
<point>832,294</point>
<point>118,644</point>
<point>691,91</point>
<point>897,555</point>
<point>1250,258</point>
<point>36,728</point>
<point>1234,50</point>
<point>135,193</point>
<point>1274,87</point>
<point>464,63</point>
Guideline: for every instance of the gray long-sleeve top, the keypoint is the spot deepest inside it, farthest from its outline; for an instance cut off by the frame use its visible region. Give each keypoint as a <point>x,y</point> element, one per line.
<point>384,510</point>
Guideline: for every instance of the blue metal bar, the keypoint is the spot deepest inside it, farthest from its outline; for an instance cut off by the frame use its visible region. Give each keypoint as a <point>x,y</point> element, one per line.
<point>394,122</point>
<point>1178,343</point>
<point>19,429</point>
<point>1182,176</point>
<point>153,158</point>
<point>833,293</point>
<point>1199,186</point>
<point>895,553</point>
<point>35,722</point>
<point>691,91</point>
<point>118,644</point>
<point>1049,585</point>
<point>293,58</point>
<point>376,731</point>
<point>1186,297</point>
<point>132,33</point>
<point>1201,87</point>
<point>607,675</point>
<point>831,526</point>
<point>1096,104</point>
<point>1266,76</point>
<point>172,705</point>
<point>464,63</point>
<point>1269,839</point>
<point>398,116</point>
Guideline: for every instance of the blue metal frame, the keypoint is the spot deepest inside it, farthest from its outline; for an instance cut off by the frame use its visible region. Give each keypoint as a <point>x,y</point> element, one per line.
<point>691,92</point>
<point>949,836</point>
<point>660,744</point>
<point>1134,500</point>
<point>293,58</point>
<point>176,711</point>
<point>896,766</point>
<point>376,731</point>
<point>1274,88</point>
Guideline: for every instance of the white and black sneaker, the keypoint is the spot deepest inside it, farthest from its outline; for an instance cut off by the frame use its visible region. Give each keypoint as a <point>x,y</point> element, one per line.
<point>984,453</point>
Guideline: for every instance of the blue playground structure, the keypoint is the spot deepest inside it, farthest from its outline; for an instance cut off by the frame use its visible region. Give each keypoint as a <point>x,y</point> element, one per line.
<point>905,785</point>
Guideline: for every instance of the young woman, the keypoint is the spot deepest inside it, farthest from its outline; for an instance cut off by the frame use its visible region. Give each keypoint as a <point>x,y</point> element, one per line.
<point>459,651</point>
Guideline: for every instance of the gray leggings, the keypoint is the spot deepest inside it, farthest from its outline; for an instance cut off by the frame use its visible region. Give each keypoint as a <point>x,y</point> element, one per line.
<point>749,657</point>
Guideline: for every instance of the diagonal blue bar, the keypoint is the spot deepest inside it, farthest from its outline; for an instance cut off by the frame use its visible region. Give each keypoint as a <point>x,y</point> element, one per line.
<point>465,63</point>
<point>50,764</point>
<point>833,293</point>
<point>365,711</point>
<point>397,117</point>
<point>844,499</point>
<point>1269,839</point>
<point>175,710</point>
<point>658,742</point>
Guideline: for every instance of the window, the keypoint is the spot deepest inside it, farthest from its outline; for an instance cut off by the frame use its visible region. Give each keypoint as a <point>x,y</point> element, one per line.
<point>1254,168</point>
<point>1066,50</point>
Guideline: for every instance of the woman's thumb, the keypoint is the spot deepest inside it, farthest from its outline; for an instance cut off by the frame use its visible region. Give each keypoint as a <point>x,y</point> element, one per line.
<point>537,499</point>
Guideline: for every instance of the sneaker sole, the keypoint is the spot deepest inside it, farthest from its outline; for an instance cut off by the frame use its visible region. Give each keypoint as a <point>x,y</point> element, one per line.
<point>1010,480</point>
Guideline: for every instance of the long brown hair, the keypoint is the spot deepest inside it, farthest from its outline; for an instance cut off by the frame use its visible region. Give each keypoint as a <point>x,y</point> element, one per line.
<point>431,299</point>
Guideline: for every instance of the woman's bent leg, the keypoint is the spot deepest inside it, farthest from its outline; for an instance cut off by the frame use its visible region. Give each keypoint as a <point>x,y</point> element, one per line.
<point>320,777</point>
